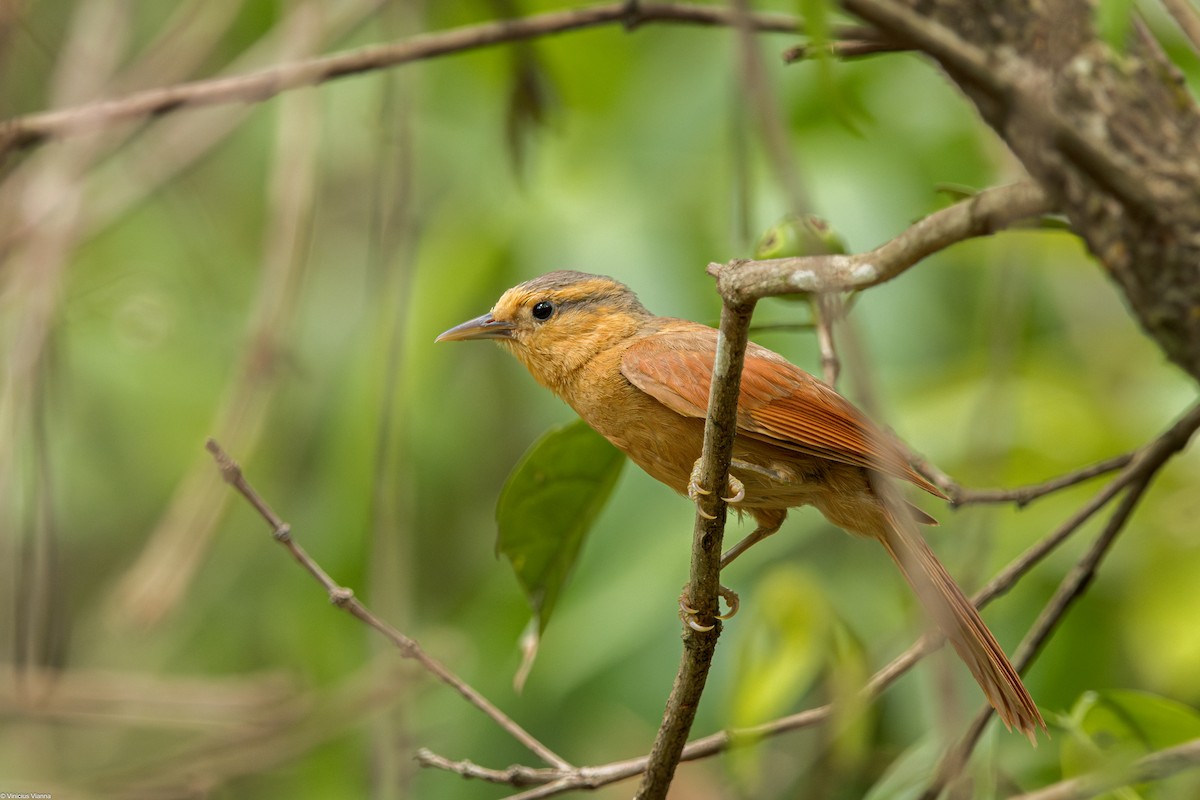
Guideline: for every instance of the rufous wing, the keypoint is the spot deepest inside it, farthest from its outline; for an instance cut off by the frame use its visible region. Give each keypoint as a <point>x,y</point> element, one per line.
<point>779,402</point>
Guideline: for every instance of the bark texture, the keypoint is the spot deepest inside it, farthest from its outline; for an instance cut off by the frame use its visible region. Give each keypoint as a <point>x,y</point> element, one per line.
<point>1113,137</point>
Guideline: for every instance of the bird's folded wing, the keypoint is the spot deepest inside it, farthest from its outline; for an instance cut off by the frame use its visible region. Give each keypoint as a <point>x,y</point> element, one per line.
<point>779,402</point>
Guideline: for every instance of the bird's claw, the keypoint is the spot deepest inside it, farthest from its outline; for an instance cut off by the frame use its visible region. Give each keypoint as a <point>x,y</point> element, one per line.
<point>689,615</point>
<point>695,491</point>
<point>731,600</point>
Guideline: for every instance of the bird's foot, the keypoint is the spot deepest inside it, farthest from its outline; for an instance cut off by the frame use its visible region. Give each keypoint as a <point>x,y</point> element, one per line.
<point>737,490</point>
<point>689,615</point>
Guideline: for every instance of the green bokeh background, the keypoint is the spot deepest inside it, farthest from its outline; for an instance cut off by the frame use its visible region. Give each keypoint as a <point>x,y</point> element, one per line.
<point>1005,361</point>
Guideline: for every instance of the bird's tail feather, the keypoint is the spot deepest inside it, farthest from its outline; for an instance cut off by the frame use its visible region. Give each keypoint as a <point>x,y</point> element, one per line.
<point>957,618</point>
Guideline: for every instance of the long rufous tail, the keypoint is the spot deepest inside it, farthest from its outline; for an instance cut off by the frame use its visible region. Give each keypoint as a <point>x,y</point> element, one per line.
<point>957,618</point>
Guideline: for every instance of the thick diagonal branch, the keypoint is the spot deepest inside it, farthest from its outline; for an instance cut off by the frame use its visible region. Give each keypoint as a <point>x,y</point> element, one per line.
<point>1113,137</point>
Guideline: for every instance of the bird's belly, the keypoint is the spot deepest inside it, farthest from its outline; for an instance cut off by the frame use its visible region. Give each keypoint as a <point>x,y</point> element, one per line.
<point>667,445</point>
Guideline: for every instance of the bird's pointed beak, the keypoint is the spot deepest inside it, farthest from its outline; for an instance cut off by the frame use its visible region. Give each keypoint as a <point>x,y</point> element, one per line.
<point>485,327</point>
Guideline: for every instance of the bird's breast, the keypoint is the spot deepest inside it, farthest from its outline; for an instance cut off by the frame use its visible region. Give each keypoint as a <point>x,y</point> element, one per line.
<point>658,440</point>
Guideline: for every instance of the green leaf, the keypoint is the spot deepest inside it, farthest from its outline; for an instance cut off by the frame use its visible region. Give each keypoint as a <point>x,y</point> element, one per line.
<point>548,505</point>
<point>1108,730</point>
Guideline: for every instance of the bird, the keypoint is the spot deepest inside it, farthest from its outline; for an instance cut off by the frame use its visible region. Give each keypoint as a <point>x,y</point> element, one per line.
<point>642,381</point>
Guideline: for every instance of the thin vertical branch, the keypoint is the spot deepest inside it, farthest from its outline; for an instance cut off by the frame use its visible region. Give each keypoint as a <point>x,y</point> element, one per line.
<point>698,646</point>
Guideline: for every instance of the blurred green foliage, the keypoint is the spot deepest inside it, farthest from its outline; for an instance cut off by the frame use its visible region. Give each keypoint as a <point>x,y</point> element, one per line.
<point>1005,361</point>
<point>1106,731</point>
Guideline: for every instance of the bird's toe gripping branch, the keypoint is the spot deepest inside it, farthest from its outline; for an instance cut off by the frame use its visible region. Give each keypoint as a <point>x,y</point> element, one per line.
<point>736,489</point>
<point>690,616</point>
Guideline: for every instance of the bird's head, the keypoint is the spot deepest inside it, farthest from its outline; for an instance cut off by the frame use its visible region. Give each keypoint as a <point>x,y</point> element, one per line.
<point>557,323</point>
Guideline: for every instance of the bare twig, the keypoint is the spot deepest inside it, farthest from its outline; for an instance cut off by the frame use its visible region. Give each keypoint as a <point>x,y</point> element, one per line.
<point>254,87</point>
<point>987,212</point>
<point>720,427</point>
<point>1149,459</point>
<point>1153,767</point>
<point>1020,495</point>
<point>515,775</point>
<point>344,599</point>
<point>827,309</point>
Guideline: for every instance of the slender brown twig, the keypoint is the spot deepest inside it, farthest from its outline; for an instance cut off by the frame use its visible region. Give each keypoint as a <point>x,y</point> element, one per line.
<point>515,775</point>
<point>344,599</point>
<point>720,427</point>
<point>1022,496</point>
<point>593,777</point>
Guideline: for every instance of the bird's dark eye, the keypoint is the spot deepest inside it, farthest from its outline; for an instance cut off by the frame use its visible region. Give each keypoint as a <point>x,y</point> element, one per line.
<point>543,311</point>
